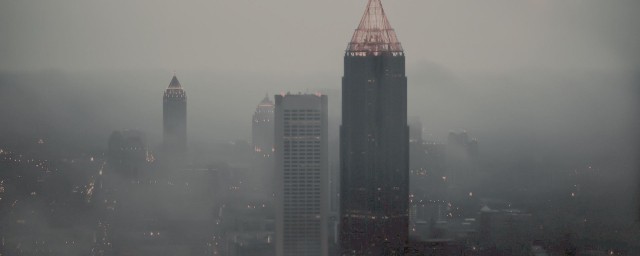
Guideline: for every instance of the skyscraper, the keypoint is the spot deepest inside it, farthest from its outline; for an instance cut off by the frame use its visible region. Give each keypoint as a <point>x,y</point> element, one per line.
<point>174,113</point>
<point>374,140</point>
<point>302,175</point>
<point>262,142</point>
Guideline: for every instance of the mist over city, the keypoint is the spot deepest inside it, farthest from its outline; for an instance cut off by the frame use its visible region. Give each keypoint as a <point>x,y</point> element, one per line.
<point>320,127</point>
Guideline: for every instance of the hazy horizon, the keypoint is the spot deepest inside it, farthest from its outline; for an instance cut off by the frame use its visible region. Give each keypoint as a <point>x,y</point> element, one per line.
<point>545,86</point>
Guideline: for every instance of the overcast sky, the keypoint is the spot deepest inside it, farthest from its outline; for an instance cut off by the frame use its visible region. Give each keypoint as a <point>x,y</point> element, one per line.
<point>309,37</point>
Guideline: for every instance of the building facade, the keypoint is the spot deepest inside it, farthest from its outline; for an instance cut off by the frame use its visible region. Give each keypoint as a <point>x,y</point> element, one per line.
<point>302,174</point>
<point>128,152</point>
<point>462,163</point>
<point>174,117</point>
<point>262,139</point>
<point>374,141</point>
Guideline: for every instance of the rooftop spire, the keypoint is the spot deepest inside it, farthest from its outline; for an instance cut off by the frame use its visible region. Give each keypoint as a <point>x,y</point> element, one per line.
<point>374,34</point>
<point>266,101</point>
<point>175,84</point>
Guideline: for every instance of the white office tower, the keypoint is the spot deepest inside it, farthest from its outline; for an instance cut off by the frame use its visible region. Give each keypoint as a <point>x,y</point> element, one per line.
<point>301,174</point>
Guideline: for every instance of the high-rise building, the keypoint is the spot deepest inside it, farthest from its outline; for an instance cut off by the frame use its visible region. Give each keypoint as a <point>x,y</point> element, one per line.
<point>427,178</point>
<point>128,152</point>
<point>374,140</point>
<point>462,165</point>
<point>415,129</point>
<point>302,174</point>
<point>262,130</point>
<point>460,141</point>
<point>174,113</point>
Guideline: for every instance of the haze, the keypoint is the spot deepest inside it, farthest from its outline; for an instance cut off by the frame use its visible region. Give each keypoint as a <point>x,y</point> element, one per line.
<point>537,82</point>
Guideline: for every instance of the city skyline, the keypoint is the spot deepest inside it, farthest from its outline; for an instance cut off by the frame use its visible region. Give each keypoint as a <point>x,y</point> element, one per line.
<point>507,128</point>
<point>433,78</point>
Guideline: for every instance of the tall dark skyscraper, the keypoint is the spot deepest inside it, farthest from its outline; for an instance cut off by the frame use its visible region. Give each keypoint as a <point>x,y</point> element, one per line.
<point>302,174</point>
<point>174,113</point>
<point>374,141</point>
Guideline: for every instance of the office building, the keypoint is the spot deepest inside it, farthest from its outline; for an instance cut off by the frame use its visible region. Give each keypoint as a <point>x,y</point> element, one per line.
<point>262,131</point>
<point>374,140</point>
<point>127,152</point>
<point>302,174</point>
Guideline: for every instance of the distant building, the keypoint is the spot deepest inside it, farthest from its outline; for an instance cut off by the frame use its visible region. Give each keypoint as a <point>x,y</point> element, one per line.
<point>251,244</point>
<point>174,117</point>
<point>508,230</point>
<point>434,247</point>
<point>262,130</point>
<point>462,162</point>
<point>246,228</point>
<point>462,144</point>
<point>428,178</point>
<point>128,152</point>
<point>415,129</point>
<point>427,164</point>
<point>170,214</point>
<point>374,140</point>
<point>302,174</point>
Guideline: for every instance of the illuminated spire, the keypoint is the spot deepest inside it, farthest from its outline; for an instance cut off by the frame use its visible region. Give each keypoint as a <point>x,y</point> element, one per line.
<point>175,84</point>
<point>374,34</point>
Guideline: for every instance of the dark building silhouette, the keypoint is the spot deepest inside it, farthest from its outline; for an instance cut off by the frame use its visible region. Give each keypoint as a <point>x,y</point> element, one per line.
<point>435,247</point>
<point>174,117</point>
<point>427,169</point>
<point>262,142</point>
<point>374,140</point>
<point>128,152</point>
<point>462,163</point>
<point>507,230</point>
<point>303,175</point>
<point>415,129</point>
<point>248,229</point>
<point>462,144</point>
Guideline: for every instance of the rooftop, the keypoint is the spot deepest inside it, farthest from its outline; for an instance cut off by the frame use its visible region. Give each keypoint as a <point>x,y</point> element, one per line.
<point>266,102</point>
<point>175,84</point>
<point>374,34</point>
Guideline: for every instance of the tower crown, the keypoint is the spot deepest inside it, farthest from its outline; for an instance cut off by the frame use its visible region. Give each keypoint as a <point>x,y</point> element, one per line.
<point>175,84</point>
<point>266,102</point>
<point>374,34</point>
<point>174,90</point>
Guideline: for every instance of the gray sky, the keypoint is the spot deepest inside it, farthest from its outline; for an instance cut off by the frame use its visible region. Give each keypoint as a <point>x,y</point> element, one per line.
<point>308,37</point>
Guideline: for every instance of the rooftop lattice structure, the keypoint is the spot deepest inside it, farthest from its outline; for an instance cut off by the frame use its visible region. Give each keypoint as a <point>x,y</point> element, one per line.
<point>374,34</point>
<point>174,90</point>
<point>175,84</point>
